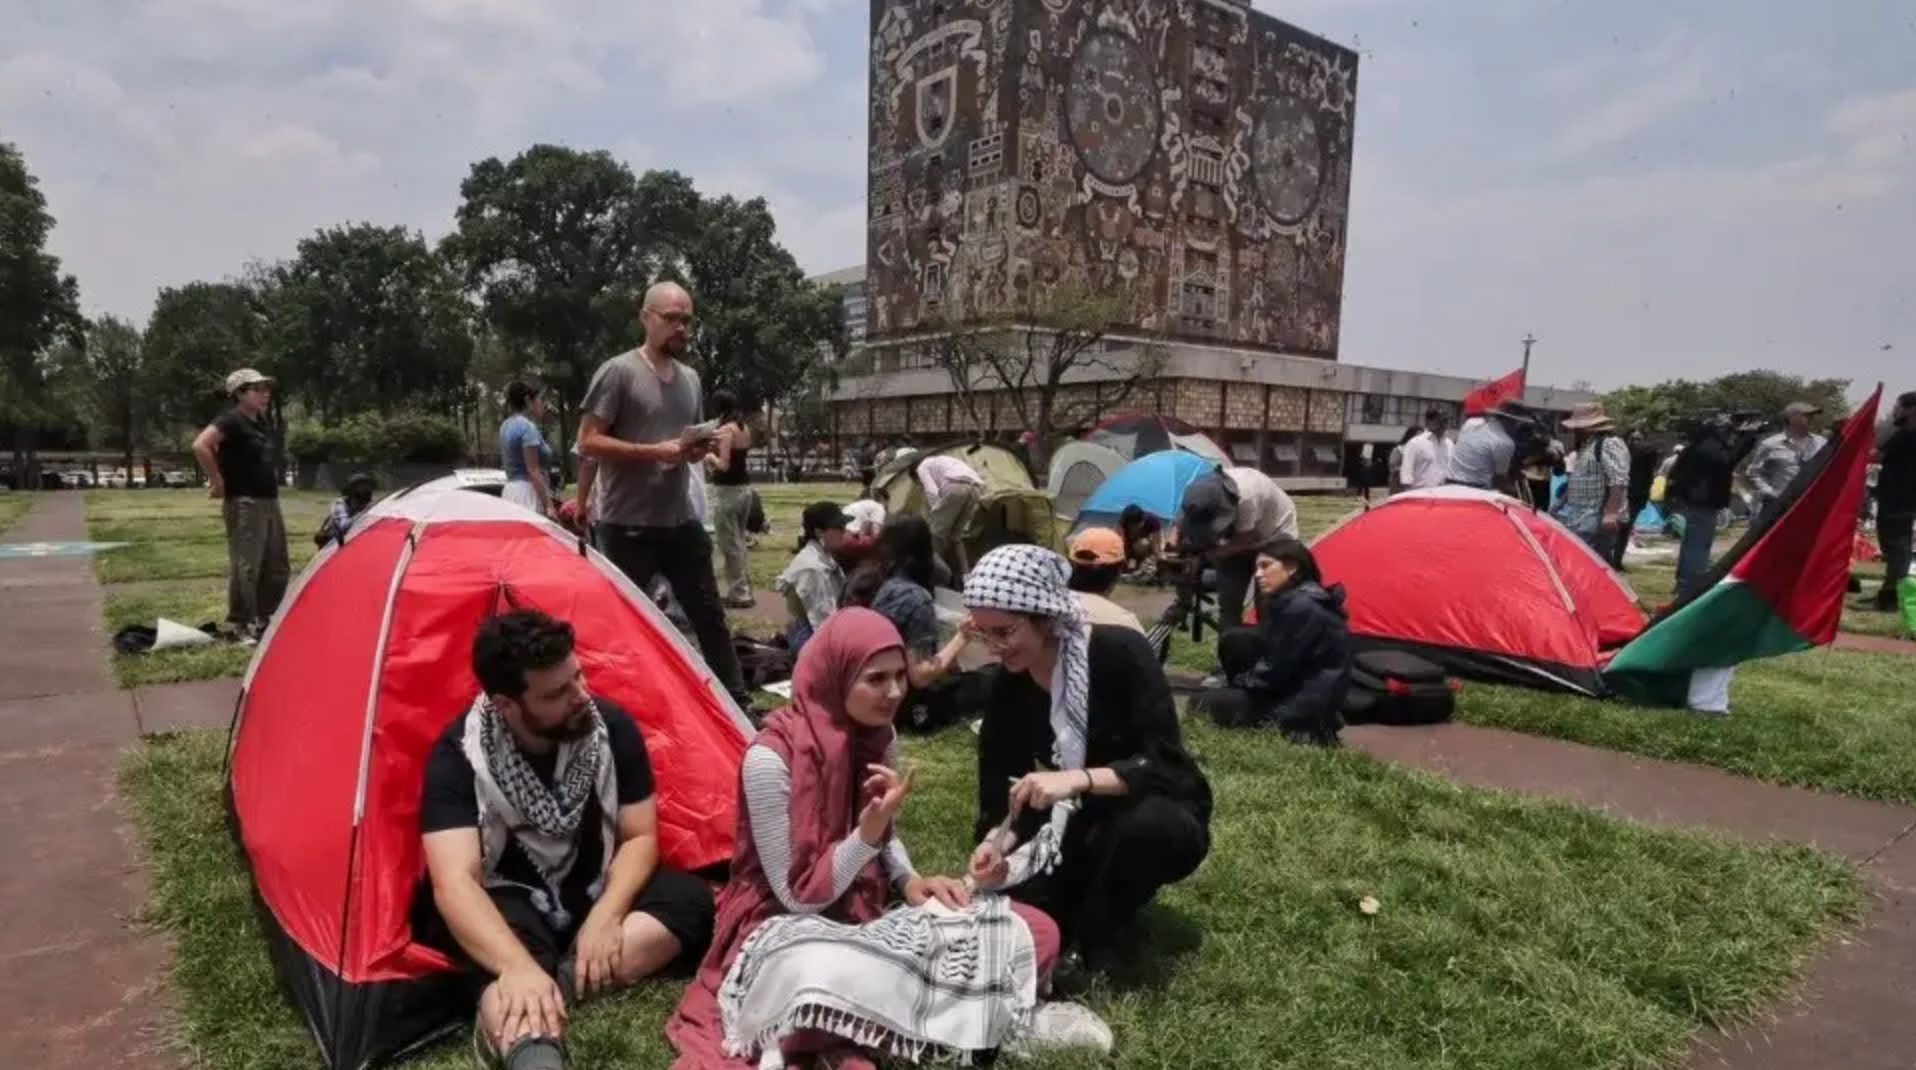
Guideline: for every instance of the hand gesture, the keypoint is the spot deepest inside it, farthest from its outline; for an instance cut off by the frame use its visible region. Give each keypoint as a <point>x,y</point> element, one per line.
<point>1042,791</point>
<point>529,1005</point>
<point>600,943</point>
<point>948,891</point>
<point>988,867</point>
<point>885,793</point>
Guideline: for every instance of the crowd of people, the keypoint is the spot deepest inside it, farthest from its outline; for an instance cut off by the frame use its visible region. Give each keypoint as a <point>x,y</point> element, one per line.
<point>538,814</point>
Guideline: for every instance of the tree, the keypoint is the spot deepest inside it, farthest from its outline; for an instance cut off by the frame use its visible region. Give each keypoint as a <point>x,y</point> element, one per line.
<point>39,306</point>
<point>1665,406</point>
<point>117,382</point>
<point>760,323</point>
<point>367,319</point>
<point>197,335</point>
<point>554,244</point>
<point>1049,365</point>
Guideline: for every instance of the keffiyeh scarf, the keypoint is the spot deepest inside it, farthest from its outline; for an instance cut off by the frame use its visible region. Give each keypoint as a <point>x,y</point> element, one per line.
<point>916,984</point>
<point>1034,581</point>
<point>516,805</point>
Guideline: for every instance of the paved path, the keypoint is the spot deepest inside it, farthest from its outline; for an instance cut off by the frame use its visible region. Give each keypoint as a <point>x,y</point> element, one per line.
<point>84,989</point>
<point>81,986</point>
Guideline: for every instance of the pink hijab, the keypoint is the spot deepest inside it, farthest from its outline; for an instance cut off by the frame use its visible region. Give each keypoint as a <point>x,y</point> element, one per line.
<point>827,753</point>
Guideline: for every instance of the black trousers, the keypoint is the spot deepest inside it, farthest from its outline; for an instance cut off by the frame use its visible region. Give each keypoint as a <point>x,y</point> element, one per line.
<point>1893,530</point>
<point>1116,856</point>
<point>680,902</point>
<point>682,556</point>
<point>1233,588</point>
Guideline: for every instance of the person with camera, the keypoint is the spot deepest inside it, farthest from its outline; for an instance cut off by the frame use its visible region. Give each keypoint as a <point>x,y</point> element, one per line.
<point>1777,459</point>
<point>1226,515</point>
<point>1896,498</point>
<point>1599,469</point>
<point>1699,487</point>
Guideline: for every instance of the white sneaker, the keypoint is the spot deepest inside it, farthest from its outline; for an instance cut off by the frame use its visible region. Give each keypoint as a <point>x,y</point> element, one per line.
<point>1064,1027</point>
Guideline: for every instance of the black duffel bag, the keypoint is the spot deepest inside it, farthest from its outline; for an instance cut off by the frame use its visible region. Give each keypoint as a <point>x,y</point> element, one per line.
<point>1391,687</point>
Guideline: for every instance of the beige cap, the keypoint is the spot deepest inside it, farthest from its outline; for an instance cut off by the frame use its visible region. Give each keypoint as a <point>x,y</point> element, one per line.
<point>244,378</point>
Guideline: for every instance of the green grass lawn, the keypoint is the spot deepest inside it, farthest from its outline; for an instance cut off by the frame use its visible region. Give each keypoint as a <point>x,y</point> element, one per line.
<point>13,505</point>
<point>1830,719</point>
<point>1513,934</point>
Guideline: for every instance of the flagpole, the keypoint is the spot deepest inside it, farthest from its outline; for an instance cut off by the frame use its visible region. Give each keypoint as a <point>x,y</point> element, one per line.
<point>1528,341</point>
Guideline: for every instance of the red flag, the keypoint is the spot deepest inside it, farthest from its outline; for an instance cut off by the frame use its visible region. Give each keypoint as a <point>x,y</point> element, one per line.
<point>1491,394</point>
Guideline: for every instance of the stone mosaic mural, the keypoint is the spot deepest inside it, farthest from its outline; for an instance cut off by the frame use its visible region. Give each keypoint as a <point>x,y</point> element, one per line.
<point>1193,153</point>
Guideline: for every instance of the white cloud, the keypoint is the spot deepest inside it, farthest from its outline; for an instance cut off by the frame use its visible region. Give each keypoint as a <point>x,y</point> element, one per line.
<point>1507,180</point>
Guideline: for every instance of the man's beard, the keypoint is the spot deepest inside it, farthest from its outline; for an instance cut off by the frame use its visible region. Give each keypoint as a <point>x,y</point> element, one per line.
<point>575,727</point>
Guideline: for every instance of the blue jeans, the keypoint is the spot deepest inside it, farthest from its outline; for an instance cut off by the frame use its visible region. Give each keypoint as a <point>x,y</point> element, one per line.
<point>1693,556</point>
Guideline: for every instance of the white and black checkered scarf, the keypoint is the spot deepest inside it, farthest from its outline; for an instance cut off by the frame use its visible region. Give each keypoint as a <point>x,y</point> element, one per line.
<point>1036,582</point>
<point>514,803</point>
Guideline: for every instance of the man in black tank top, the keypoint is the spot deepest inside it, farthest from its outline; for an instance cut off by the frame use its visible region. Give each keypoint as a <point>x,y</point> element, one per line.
<point>728,485</point>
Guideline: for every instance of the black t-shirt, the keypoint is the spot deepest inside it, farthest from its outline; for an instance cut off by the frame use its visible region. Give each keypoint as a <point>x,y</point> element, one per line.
<point>1896,482</point>
<point>249,465</point>
<point>451,801</point>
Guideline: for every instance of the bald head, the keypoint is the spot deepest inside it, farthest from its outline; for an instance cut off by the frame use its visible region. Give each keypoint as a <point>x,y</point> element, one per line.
<point>666,314</point>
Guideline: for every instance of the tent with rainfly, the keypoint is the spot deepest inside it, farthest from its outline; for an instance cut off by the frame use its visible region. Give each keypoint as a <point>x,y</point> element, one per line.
<point>1780,590</point>
<point>364,666</point>
<point>1481,584</point>
<point>1011,508</point>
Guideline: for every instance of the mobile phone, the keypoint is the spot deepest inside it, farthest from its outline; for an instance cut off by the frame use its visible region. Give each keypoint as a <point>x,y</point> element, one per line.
<point>704,432</point>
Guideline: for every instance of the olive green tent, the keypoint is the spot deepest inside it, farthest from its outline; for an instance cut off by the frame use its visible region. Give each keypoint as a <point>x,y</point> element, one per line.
<point>1011,509</point>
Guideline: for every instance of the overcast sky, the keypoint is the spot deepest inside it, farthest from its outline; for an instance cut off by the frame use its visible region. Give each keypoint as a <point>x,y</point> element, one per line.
<point>1655,189</point>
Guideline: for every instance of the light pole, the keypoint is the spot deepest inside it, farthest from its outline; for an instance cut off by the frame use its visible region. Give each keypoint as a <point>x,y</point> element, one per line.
<point>1528,341</point>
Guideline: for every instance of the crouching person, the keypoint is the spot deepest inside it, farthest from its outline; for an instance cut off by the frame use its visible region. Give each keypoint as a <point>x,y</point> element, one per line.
<point>541,842</point>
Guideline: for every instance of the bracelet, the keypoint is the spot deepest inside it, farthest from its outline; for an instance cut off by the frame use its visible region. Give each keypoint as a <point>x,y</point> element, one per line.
<point>1089,784</point>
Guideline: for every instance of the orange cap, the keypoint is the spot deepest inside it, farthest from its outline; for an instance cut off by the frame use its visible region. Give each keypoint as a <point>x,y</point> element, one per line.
<point>1097,546</point>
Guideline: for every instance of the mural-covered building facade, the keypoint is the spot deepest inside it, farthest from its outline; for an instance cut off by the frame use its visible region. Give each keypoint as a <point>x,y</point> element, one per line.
<point>1193,154</point>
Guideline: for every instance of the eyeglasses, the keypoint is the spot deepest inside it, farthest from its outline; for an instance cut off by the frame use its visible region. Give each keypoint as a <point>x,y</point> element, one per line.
<point>995,638</point>
<point>676,319</point>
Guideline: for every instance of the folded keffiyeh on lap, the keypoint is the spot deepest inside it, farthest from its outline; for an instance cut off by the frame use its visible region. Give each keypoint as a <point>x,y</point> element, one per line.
<point>918,982</point>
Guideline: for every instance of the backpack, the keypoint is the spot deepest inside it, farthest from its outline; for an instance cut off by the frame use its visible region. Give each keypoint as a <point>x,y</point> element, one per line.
<point>1391,687</point>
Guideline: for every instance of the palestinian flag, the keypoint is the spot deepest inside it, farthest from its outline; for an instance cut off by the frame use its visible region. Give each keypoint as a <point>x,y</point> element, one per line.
<point>1779,591</point>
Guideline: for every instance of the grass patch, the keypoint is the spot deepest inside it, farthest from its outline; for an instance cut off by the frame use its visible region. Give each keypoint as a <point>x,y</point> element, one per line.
<point>1514,934</point>
<point>13,505</point>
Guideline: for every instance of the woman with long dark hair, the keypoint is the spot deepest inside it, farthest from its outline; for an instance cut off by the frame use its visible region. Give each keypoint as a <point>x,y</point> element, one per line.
<point>523,452</point>
<point>1293,670</point>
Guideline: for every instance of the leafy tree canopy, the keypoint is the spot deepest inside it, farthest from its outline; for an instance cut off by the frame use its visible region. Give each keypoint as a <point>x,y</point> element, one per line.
<point>1665,406</point>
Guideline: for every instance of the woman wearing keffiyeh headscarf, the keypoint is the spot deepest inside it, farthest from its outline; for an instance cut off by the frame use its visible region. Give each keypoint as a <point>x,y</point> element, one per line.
<point>1088,802</point>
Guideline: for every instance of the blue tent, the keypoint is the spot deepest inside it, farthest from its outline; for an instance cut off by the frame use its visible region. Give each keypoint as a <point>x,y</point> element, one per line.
<point>1154,483</point>
<point>1649,520</point>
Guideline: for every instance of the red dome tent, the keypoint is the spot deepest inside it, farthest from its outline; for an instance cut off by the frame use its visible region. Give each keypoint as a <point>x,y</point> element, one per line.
<point>363,668</point>
<point>1482,585</point>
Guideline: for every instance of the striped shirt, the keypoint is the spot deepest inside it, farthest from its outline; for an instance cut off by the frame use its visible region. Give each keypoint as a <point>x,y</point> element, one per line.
<point>768,805</point>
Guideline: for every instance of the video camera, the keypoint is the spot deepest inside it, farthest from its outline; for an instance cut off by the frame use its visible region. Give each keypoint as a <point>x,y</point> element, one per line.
<point>1193,601</point>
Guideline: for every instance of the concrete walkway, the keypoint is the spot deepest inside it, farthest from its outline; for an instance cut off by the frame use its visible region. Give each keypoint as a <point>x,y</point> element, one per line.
<point>84,989</point>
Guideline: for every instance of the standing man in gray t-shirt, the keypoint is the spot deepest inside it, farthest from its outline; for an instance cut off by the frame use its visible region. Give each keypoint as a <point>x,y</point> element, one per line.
<point>640,424</point>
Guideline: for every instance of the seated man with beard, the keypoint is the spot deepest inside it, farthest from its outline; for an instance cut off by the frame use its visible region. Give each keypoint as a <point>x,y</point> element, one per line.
<point>541,842</point>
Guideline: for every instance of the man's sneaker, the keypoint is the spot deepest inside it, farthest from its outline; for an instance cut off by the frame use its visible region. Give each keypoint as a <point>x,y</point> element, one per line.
<point>1064,1027</point>
<point>527,1053</point>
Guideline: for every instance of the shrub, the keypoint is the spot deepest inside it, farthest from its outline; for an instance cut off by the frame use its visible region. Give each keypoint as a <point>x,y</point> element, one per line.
<point>370,439</point>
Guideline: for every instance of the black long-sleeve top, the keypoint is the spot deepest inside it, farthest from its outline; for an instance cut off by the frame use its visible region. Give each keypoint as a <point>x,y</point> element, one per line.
<point>1132,730</point>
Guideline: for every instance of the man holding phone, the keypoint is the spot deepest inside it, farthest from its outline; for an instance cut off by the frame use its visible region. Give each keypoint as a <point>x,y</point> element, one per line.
<point>641,424</point>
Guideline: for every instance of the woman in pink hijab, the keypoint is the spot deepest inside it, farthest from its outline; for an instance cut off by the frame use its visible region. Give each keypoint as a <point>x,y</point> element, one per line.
<point>796,962</point>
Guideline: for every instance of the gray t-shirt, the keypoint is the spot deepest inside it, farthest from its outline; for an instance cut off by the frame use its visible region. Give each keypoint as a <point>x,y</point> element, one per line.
<point>639,407</point>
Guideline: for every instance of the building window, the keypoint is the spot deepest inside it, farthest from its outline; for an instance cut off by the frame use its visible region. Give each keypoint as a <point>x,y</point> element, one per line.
<point>1200,301</point>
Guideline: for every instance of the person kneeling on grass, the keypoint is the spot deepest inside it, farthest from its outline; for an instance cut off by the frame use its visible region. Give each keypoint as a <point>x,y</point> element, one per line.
<point>358,497</point>
<point>1292,670</point>
<point>812,963</point>
<point>541,843</point>
<point>1089,707</point>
